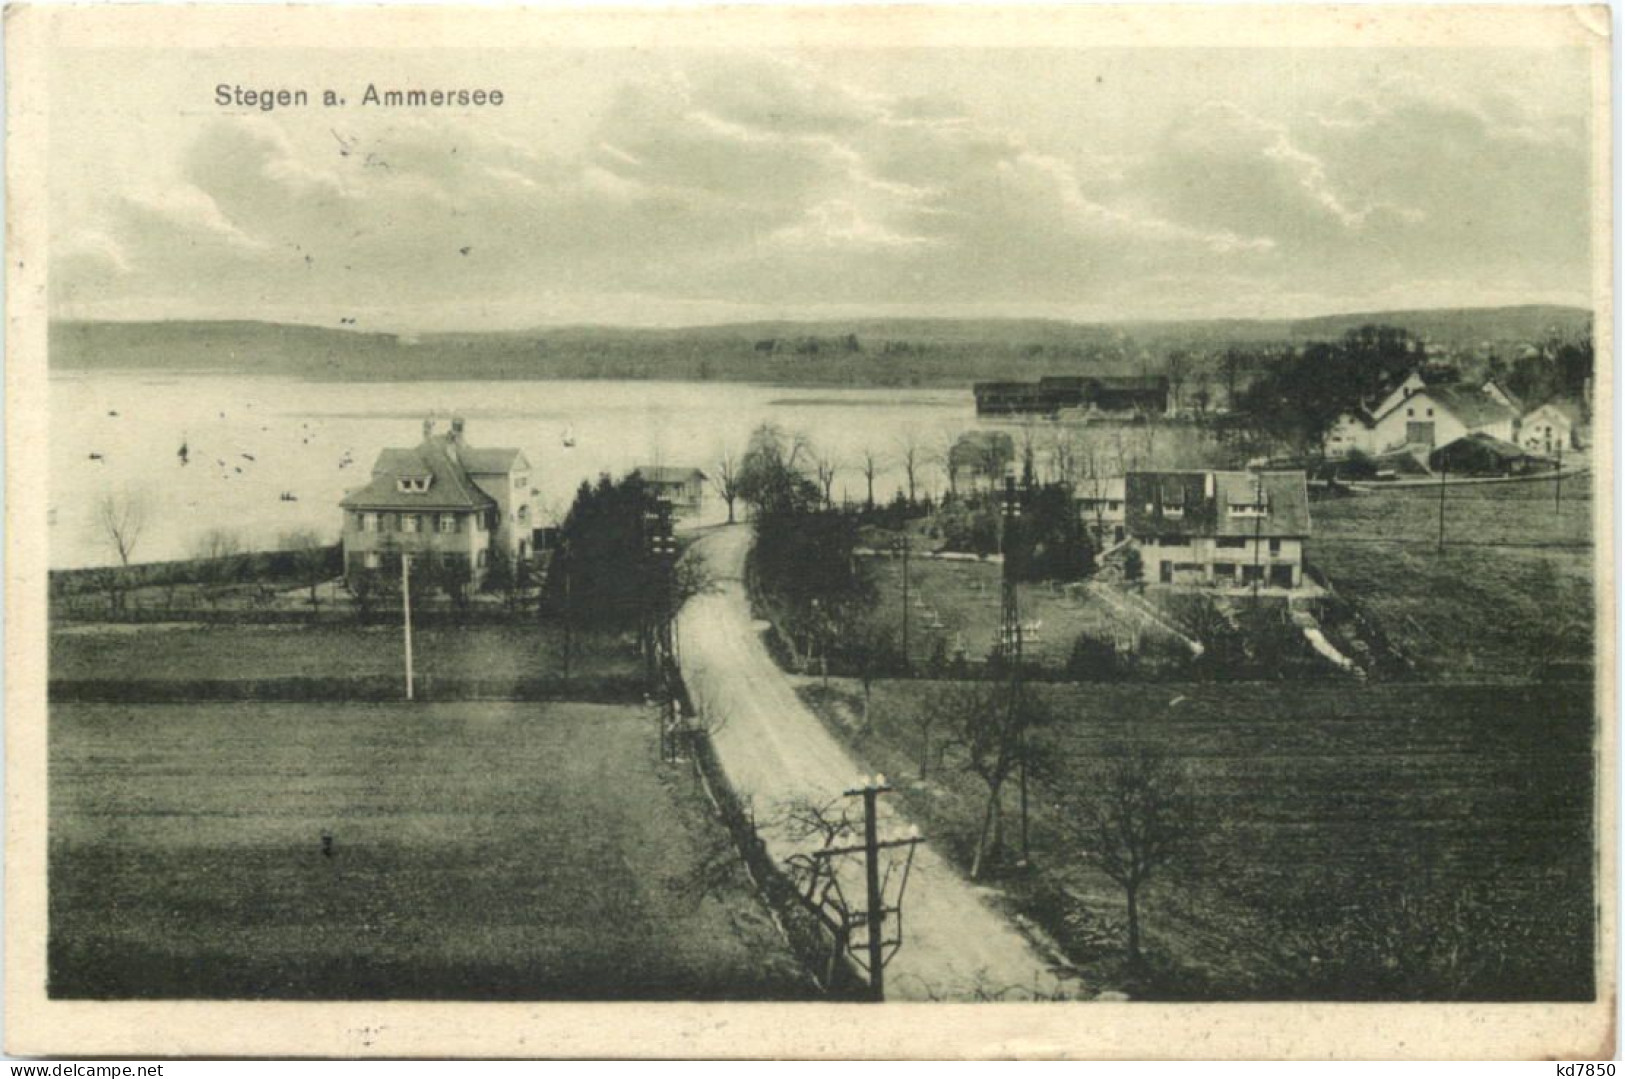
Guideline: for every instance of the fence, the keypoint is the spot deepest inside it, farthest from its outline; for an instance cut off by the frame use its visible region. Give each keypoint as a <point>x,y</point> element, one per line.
<point>364,689</point>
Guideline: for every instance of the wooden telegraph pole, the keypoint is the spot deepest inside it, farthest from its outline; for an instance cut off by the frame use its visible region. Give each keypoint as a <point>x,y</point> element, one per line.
<point>1010,639</point>
<point>1558,507</point>
<point>406,615</point>
<point>906,664</point>
<point>1444,474</point>
<point>874,914</point>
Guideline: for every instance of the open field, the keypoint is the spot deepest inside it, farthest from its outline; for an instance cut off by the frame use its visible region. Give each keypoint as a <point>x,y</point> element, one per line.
<point>492,653</point>
<point>1330,817</point>
<point>963,597</point>
<point>1511,594</point>
<point>478,852</point>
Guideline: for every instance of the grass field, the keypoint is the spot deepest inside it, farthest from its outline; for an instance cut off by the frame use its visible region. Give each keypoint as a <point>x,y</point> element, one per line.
<point>1331,818</point>
<point>261,652</point>
<point>479,851</point>
<point>1510,594</point>
<point>964,598</point>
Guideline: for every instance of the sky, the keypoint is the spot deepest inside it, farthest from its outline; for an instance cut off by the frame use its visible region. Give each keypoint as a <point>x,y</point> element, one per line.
<point>671,187</point>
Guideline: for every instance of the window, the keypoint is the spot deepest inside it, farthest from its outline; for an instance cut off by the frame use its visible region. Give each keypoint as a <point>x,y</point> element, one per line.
<point>371,560</point>
<point>448,522</point>
<point>481,558</point>
<point>369,522</point>
<point>1430,412</point>
<point>1410,412</point>
<point>520,481</point>
<point>411,522</point>
<point>1114,505</point>
<point>524,514</point>
<point>1232,541</point>
<point>1173,511</point>
<point>1275,546</point>
<point>412,485</point>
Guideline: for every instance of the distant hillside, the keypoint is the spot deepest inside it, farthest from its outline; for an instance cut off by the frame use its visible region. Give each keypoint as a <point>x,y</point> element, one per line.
<point>849,352</point>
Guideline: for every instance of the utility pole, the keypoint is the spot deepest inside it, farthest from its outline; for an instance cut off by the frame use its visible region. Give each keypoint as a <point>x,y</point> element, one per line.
<point>662,550</point>
<point>876,910</point>
<point>1258,538</point>
<point>1444,474</point>
<point>905,546</point>
<point>1558,507</point>
<point>1010,638</point>
<point>406,615</point>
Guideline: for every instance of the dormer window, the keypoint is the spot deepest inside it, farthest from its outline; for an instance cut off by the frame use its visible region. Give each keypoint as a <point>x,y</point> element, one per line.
<point>413,485</point>
<point>1173,511</point>
<point>1250,509</point>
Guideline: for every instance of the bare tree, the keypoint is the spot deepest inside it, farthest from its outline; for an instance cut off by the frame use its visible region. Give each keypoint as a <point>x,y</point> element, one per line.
<point>909,453</point>
<point>1178,368</point>
<point>120,519</point>
<point>725,478</point>
<point>1136,819</point>
<point>826,468</point>
<point>869,463</point>
<point>979,726</point>
<point>310,560</point>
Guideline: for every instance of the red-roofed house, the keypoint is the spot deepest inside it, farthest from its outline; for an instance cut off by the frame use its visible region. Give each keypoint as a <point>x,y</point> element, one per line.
<point>442,500</point>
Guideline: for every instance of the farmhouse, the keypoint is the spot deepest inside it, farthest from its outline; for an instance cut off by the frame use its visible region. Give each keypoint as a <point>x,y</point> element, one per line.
<point>448,504</point>
<point>1219,528</point>
<point>1552,428</point>
<point>684,488</point>
<point>1425,414</point>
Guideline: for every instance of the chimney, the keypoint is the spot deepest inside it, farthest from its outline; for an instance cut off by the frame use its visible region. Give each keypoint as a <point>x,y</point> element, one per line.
<point>456,429</point>
<point>428,429</point>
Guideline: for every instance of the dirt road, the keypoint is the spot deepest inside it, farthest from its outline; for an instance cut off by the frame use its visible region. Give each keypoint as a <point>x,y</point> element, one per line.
<point>955,945</point>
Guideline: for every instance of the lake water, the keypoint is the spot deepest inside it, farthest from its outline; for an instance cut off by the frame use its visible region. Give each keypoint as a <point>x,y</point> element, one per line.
<point>252,439</point>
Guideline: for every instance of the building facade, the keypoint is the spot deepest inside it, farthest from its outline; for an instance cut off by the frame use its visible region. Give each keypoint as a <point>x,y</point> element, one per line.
<point>684,488</point>
<point>447,505</point>
<point>1550,429</point>
<point>1219,529</point>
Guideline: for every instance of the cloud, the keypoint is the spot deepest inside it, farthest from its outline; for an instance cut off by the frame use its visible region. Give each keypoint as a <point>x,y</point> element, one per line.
<point>768,183</point>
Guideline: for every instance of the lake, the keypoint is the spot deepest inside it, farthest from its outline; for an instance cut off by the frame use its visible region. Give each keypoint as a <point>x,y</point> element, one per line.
<point>250,440</point>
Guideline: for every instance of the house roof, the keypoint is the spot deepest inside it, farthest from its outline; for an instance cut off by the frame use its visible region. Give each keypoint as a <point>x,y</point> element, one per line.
<point>1470,405</point>
<point>450,487</point>
<point>1199,513</point>
<point>668,473</point>
<point>1567,409</point>
<point>485,460</point>
<point>1287,494</point>
<point>1480,443</point>
<point>1513,399</point>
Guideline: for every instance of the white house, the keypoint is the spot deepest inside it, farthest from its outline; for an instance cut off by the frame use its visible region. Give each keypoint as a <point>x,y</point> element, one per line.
<point>1351,432</point>
<point>1438,415</point>
<point>1100,509</point>
<point>1551,428</point>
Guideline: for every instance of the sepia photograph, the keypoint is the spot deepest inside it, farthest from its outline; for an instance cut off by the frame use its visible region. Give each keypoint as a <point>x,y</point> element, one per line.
<point>1022,509</point>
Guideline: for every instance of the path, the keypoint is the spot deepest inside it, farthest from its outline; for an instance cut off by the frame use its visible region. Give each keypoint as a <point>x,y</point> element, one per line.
<point>777,752</point>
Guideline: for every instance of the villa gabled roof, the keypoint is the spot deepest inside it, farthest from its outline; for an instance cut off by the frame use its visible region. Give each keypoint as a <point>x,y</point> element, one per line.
<point>437,457</point>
